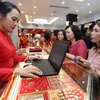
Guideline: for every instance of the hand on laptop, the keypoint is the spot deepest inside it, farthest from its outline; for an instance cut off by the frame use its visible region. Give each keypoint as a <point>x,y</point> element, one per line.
<point>34,58</point>
<point>28,71</point>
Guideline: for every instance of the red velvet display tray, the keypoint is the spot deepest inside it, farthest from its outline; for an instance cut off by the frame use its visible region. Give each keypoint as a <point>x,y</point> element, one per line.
<point>36,49</point>
<point>63,82</point>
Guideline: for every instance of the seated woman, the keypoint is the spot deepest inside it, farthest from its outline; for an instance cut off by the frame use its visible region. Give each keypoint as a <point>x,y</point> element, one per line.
<point>61,36</point>
<point>77,44</point>
<point>93,61</point>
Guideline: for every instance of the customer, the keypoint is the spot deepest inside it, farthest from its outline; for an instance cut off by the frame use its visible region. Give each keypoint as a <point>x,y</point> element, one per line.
<point>61,36</point>
<point>93,61</point>
<point>87,39</point>
<point>78,46</point>
<point>9,18</point>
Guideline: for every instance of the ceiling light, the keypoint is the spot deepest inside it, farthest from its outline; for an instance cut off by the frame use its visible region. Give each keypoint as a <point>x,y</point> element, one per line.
<point>76,10</point>
<point>90,11</point>
<point>22,11</point>
<point>63,2</point>
<point>88,4</point>
<point>34,6</point>
<point>20,4</point>
<point>61,19</point>
<point>51,14</point>
<point>77,17</point>
<point>79,0</point>
<point>40,20</point>
<point>33,12</point>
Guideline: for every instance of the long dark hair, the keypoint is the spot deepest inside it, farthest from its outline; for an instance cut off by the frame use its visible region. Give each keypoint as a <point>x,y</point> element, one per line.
<point>6,7</point>
<point>76,31</point>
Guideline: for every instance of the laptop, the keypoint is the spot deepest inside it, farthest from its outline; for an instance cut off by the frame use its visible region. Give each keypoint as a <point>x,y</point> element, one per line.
<point>53,64</point>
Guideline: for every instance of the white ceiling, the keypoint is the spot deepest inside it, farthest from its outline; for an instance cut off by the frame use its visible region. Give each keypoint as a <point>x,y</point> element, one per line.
<point>44,10</point>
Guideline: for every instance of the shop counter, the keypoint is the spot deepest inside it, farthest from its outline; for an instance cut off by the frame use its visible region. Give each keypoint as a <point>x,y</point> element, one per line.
<point>72,83</point>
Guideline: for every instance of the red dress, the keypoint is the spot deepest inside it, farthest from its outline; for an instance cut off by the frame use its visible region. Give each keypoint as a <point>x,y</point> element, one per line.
<point>8,57</point>
<point>79,49</point>
<point>23,41</point>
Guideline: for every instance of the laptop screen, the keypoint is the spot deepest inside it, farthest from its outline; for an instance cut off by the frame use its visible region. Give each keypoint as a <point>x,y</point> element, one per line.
<point>58,53</point>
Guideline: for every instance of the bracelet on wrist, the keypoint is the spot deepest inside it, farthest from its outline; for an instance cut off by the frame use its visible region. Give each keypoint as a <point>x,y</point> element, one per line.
<point>75,59</point>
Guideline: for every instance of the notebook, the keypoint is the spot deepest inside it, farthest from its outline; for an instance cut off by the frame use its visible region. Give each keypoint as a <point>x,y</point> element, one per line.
<point>53,64</point>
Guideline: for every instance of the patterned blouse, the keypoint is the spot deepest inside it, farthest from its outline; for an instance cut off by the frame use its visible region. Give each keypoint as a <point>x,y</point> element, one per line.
<point>94,58</point>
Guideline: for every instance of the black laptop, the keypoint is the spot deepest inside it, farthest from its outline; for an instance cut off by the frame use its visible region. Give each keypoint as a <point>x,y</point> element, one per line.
<point>53,64</point>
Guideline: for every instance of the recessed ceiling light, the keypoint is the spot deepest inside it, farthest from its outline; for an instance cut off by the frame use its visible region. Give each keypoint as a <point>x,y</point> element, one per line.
<point>88,4</point>
<point>20,4</point>
<point>90,11</point>
<point>76,10</point>
<point>34,13</point>
<point>51,14</point>
<point>77,17</point>
<point>40,20</point>
<point>79,0</point>
<point>34,6</point>
<point>63,2</point>
<point>22,11</point>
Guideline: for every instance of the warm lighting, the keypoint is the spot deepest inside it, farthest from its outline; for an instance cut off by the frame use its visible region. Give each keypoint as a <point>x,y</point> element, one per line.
<point>79,0</point>
<point>88,4</point>
<point>22,11</point>
<point>90,11</point>
<point>34,6</point>
<point>76,10</point>
<point>20,4</point>
<point>33,12</point>
<point>40,20</point>
<point>63,2</point>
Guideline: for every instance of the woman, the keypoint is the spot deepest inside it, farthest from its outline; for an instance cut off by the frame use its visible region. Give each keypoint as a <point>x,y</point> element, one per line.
<point>78,46</point>
<point>61,36</point>
<point>23,39</point>
<point>94,53</point>
<point>9,18</point>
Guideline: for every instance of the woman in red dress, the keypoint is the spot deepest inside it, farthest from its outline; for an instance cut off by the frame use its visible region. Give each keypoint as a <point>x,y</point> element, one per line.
<point>23,39</point>
<point>9,18</point>
<point>78,46</point>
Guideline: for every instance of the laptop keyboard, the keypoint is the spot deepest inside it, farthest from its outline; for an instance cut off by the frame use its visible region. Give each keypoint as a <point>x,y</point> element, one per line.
<point>43,65</point>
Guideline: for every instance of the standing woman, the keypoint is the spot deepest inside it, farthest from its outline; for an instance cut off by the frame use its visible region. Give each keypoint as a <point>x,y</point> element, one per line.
<point>61,36</point>
<point>23,39</point>
<point>78,46</point>
<point>9,18</point>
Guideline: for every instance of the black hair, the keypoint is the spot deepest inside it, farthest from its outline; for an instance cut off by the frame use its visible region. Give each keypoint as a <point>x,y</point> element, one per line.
<point>64,33</point>
<point>77,32</point>
<point>46,36</point>
<point>6,7</point>
<point>23,29</point>
<point>66,27</point>
<point>91,27</point>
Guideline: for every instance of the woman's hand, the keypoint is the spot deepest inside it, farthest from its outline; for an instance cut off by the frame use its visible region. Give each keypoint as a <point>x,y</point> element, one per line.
<point>84,63</point>
<point>29,71</point>
<point>20,51</point>
<point>34,58</point>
